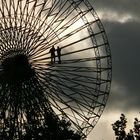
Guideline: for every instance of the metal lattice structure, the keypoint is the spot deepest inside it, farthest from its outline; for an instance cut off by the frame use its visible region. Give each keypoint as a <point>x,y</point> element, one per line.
<point>77,87</point>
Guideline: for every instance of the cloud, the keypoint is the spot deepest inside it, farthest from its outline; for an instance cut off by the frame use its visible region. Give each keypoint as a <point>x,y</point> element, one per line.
<point>121,20</point>
<point>114,16</point>
<point>124,40</point>
<point>121,6</point>
<point>117,11</point>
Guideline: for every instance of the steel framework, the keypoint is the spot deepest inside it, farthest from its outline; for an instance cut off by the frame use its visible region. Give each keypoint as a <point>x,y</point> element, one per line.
<point>31,85</point>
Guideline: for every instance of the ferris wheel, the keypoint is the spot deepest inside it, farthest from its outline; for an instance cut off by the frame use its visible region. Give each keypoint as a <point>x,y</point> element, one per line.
<point>54,56</point>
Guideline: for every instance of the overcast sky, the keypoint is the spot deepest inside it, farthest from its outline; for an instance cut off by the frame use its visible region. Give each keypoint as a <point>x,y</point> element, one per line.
<point>121,19</point>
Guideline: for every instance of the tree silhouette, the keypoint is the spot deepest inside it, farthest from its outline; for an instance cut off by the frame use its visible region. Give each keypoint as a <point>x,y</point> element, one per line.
<point>40,121</point>
<point>52,129</point>
<point>119,128</point>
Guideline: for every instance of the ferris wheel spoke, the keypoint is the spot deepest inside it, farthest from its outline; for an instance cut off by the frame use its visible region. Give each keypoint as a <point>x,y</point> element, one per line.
<point>3,40</point>
<point>81,60</point>
<point>58,19</point>
<point>64,11</point>
<point>70,101</point>
<point>78,78</point>
<point>73,111</point>
<point>74,90</point>
<point>80,50</point>
<point>56,106</point>
<point>40,26</point>
<point>80,93</point>
<point>58,98</point>
<point>78,98</point>
<point>68,61</point>
<point>60,28</point>
<point>70,34</point>
<point>67,36</point>
<point>67,79</point>
<point>71,89</point>
<point>79,68</point>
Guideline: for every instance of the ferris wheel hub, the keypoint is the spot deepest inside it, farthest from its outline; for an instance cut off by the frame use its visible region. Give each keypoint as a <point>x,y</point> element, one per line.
<point>17,68</point>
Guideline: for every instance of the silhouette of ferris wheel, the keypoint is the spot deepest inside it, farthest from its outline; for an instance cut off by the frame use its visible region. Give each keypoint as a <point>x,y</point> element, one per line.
<point>54,56</point>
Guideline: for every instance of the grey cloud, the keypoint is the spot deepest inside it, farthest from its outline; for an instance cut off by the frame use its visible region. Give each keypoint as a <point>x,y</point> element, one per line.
<point>121,6</point>
<point>125,45</point>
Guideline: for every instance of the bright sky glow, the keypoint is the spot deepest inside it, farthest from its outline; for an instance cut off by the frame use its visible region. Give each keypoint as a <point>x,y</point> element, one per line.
<point>105,122</point>
<point>114,16</point>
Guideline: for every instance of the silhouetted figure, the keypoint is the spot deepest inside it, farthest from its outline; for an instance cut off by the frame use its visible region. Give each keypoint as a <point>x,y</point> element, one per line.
<point>59,55</point>
<point>52,51</point>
